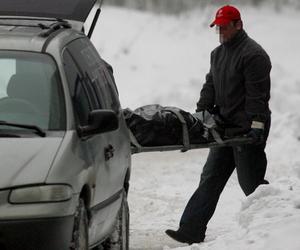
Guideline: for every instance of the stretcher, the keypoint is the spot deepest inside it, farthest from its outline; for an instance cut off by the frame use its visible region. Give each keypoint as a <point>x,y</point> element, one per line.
<point>236,141</point>
<point>214,140</point>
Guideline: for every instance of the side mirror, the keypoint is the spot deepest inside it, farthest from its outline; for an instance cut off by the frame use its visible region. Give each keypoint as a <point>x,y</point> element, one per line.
<point>100,121</point>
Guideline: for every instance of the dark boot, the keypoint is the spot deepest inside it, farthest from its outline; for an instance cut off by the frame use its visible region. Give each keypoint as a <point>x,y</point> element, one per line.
<point>182,237</point>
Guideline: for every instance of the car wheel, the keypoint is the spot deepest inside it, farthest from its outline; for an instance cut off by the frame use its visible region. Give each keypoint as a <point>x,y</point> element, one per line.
<point>80,229</point>
<point>119,239</point>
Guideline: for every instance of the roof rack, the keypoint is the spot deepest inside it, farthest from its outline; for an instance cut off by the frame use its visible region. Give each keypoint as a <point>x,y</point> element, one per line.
<point>60,24</point>
<point>55,24</point>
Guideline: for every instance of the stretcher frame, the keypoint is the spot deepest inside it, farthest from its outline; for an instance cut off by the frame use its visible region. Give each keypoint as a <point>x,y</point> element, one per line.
<point>216,142</point>
<point>236,141</point>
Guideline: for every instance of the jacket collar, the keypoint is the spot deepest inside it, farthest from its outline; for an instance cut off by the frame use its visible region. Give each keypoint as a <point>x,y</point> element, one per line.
<point>239,37</point>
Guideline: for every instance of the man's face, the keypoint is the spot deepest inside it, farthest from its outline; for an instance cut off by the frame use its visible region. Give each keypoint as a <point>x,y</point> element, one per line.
<point>227,32</point>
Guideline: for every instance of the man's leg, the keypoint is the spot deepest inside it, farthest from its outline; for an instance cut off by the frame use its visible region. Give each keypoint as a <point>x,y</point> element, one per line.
<point>201,206</point>
<point>251,165</point>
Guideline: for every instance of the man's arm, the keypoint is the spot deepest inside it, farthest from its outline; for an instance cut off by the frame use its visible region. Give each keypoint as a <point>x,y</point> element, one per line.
<point>257,83</point>
<point>207,94</point>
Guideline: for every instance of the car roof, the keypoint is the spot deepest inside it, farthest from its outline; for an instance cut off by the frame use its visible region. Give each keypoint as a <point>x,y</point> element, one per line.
<point>76,10</point>
<point>26,38</point>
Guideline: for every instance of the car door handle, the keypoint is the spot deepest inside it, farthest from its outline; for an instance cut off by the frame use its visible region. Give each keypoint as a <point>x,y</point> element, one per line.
<point>109,152</point>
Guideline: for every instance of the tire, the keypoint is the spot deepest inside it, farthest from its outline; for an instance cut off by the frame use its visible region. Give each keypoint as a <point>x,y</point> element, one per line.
<point>119,239</point>
<point>80,230</point>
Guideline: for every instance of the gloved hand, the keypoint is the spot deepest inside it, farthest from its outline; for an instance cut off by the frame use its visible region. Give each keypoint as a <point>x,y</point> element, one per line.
<point>206,118</point>
<point>257,133</point>
<point>200,114</point>
<point>208,122</point>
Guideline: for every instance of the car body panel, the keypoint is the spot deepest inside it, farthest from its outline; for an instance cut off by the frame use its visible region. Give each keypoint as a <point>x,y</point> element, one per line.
<point>21,38</point>
<point>26,160</point>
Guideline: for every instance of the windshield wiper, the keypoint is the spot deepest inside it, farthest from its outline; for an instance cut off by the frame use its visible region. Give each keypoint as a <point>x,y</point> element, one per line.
<point>9,135</point>
<point>37,129</point>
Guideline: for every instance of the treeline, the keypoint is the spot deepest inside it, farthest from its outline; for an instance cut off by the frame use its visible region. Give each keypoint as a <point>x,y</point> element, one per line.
<point>177,6</point>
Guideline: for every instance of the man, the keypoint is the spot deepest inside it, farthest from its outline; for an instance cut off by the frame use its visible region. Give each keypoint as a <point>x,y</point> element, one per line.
<point>238,86</point>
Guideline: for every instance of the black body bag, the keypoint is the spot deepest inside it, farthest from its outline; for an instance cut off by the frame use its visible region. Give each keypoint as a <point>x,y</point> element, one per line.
<point>154,125</point>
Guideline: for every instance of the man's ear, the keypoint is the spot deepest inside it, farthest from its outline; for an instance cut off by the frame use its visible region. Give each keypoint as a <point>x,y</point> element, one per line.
<point>239,25</point>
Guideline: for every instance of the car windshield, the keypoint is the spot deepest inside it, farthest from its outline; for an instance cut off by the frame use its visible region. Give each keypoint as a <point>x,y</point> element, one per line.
<point>30,91</point>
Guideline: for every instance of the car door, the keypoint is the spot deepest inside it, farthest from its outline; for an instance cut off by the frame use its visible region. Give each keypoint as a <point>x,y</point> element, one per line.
<point>98,144</point>
<point>119,140</point>
<point>108,184</point>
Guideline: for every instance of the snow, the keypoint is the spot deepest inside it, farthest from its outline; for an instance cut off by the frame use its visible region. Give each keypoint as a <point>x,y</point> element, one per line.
<point>163,59</point>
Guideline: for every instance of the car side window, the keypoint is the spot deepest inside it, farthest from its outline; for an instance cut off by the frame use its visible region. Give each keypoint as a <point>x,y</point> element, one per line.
<point>97,71</point>
<point>87,62</point>
<point>112,90</point>
<point>80,99</point>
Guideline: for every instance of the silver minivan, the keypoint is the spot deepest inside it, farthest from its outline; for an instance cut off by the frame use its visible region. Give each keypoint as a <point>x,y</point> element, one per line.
<point>64,144</point>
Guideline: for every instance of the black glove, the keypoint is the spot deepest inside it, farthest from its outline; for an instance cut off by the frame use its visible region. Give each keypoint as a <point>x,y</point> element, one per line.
<point>204,116</point>
<point>209,123</point>
<point>257,133</point>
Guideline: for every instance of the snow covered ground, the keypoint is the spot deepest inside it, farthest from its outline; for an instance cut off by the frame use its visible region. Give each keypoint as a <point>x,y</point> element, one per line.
<point>163,59</point>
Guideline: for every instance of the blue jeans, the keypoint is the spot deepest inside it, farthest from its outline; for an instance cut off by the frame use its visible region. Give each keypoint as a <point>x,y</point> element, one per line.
<point>250,162</point>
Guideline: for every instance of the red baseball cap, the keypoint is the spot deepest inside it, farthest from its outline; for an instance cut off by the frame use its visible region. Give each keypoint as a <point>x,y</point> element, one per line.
<point>225,15</point>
